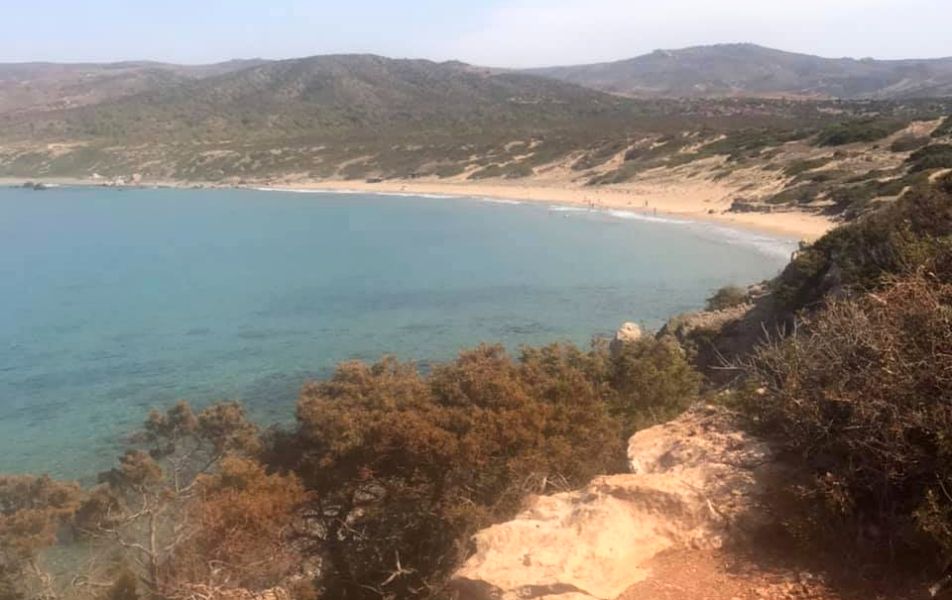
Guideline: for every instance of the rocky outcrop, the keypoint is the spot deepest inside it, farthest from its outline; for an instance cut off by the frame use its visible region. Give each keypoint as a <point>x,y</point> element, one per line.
<point>694,482</point>
<point>683,326</point>
<point>626,334</point>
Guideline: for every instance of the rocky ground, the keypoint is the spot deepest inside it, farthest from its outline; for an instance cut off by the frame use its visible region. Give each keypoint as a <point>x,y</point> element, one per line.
<point>691,521</point>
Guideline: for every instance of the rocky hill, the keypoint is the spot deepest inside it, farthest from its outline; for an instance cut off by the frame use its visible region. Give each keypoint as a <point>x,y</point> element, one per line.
<point>751,70</point>
<point>365,117</point>
<point>41,87</point>
<point>322,95</point>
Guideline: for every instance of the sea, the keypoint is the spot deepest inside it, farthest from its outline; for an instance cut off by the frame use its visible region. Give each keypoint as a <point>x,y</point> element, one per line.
<point>115,301</point>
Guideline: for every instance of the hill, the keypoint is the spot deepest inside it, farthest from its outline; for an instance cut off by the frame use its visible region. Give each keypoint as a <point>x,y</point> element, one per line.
<point>364,117</point>
<point>322,95</point>
<point>324,116</point>
<point>38,87</point>
<point>751,70</point>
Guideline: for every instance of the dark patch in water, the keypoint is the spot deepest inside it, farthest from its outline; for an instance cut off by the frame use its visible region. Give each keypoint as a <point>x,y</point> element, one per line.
<point>414,328</point>
<point>267,334</point>
<point>525,329</point>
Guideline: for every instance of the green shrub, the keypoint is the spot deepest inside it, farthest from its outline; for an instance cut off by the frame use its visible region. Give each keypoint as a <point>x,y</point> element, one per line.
<point>798,194</point>
<point>801,166</point>
<point>908,143</point>
<point>860,130</point>
<point>507,171</point>
<point>600,155</point>
<point>651,382</point>
<point>727,297</point>
<point>944,128</point>
<point>937,156</point>
<point>912,233</point>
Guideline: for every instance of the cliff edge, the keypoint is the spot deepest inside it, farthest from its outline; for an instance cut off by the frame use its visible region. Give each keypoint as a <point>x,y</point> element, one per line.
<point>695,483</point>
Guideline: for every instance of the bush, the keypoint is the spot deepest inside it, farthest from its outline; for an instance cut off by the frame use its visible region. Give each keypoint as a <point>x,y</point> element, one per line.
<point>802,166</point>
<point>908,143</point>
<point>727,297</point>
<point>860,130</point>
<point>862,394</point>
<point>376,492</point>
<point>937,156</point>
<point>407,466</point>
<point>944,128</point>
<point>912,233</point>
<point>32,511</point>
<point>651,382</point>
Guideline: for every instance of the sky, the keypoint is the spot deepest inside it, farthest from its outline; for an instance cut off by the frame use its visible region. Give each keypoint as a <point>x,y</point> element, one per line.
<point>502,33</point>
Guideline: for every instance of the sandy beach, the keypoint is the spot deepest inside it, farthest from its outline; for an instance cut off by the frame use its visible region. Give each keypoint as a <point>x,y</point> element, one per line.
<point>697,200</point>
<point>692,200</point>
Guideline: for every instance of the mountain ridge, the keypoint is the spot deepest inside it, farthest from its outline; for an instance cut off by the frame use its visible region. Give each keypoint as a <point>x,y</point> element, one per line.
<point>750,70</point>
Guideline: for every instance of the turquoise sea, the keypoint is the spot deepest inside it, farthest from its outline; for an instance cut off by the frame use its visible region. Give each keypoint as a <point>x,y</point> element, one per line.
<point>112,302</point>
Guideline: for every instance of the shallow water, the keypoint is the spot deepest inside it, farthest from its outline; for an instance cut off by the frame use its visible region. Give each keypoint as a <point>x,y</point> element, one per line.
<point>112,302</point>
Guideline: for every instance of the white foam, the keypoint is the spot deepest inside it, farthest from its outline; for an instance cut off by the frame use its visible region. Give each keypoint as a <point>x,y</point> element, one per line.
<point>498,201</point>
<point>776,246</point>
<point>350,192</point>
<point>569,209</point>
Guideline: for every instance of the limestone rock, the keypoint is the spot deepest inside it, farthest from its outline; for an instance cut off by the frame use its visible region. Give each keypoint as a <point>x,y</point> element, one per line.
<point>692,480</point>
<point>628,333</point>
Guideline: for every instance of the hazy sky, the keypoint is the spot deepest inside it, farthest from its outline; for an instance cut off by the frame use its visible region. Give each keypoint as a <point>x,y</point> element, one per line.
<point>490,32</point>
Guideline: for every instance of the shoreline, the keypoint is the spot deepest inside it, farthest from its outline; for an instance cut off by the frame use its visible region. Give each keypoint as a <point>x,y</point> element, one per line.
<point>695,201</point>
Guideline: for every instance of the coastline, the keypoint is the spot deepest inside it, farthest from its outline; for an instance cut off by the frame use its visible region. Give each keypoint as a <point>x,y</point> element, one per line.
<point>689,200</point>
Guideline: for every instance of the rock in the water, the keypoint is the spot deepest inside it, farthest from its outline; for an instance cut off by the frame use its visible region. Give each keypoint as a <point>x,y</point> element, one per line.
<point>692,481</point>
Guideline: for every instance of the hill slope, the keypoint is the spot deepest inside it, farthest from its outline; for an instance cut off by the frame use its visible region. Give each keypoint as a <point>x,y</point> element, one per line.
<point>325,94</point>
<point>37,87</point>
<point>750,70</point>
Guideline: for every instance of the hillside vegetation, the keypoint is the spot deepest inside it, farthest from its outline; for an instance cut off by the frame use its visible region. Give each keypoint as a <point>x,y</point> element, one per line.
<point>374,492</point>
<point>33,88</point>
<point>861,391</point>
<point>367,117</point>
<point>751,70</point>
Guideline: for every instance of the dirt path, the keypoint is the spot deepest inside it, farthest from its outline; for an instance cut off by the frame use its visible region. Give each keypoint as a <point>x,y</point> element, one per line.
<point>721,575</point>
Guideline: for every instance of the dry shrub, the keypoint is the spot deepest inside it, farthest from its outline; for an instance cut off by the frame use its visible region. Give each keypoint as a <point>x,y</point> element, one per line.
<point>32,511</point>
<point>243,522</point>
<point>406,466</point>
<point>863,393</point>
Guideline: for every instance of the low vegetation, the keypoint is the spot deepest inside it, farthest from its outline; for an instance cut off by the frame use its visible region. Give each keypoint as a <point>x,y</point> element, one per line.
<point>727,297</point>
<point>860,391</point>
<point>938,156</point>
<point>373,493</point>
<point>913,232</point>
<point>908,143</point>
<point>944,129</point>
<point>860,130</point>
<point>861,395</point>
